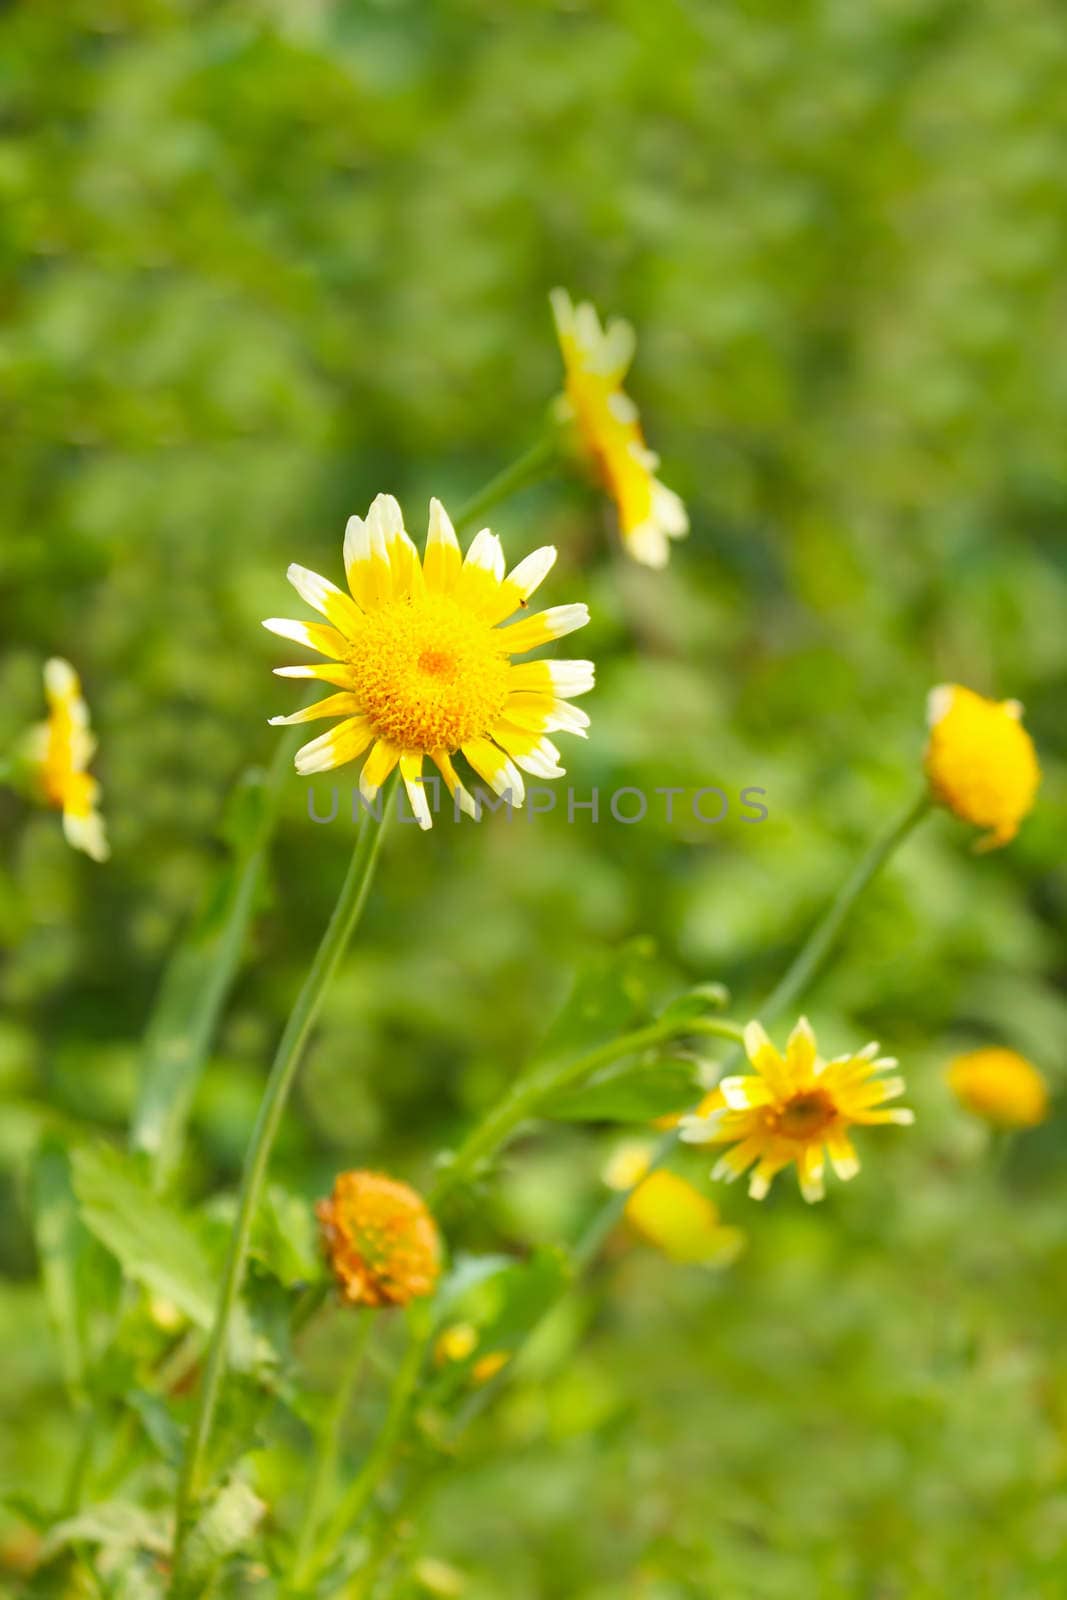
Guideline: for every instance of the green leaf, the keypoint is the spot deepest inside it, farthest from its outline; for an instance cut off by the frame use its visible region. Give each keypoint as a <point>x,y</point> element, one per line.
<point>466,1273</point>
<point>223,1528</point>
<point>630,1093</point>
<point>63,1246</point>
<point>114,1525</point>
<point>201,972</point>
<point>285,1240</point>
<point>154,1244</point>
<point>504,1302</point>
<point>610,996</point>
<point>696,1002</point>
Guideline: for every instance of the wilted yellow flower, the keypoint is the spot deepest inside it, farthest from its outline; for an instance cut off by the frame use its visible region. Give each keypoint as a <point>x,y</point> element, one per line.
<point>791,1108</point>
<point>381,1241</point>
<point>981,761</point>
<point>669,1212</point>
<point>606,420</point>
<point>59,752</point>
<point>1001,1086</point>
<point>424,666</point>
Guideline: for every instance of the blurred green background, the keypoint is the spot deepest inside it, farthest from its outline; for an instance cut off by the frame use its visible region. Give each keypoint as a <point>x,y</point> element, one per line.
<point>263,260</point>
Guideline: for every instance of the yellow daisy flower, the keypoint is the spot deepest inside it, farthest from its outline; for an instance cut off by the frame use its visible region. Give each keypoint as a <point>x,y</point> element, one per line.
<point>981,761</point>
<point>59,753</point>
<point>791,1108</point>
<point>596,360</point>
<point>423,665</point>
<point>1001,1086</point>
<point>381,1241</point>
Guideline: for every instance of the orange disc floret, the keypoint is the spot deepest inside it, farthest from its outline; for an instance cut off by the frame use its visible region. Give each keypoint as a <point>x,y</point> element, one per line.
<point>380,1240</point>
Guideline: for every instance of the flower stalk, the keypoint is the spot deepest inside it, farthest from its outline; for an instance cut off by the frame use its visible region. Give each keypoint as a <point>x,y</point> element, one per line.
<point>346,914</point>
<point>529,468</point>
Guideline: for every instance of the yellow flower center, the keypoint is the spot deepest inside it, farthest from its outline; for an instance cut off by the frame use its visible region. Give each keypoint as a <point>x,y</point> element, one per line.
<point>804,1115</point>
<point>431,674</point>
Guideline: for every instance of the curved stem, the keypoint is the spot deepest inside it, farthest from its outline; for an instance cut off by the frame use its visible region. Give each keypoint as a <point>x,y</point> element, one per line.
<point>813,952</point>
<point>329,1450</point>
<point>358,1496</point>
<point>346,913</point>
<point>497,1127</point>
<point>800,972</point>
<point>535,464</point>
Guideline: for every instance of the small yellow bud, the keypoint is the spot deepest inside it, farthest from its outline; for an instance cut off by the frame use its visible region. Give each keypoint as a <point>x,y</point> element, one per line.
<point>981,761</point>
<point>1000,1086</point>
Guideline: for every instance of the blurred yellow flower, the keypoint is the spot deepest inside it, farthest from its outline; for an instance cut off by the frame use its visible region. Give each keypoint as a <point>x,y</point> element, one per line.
<point>1001,1086</point>
<point>423,666</point>
<point>609,432</point>
<point>668,1212</point>
<point>380,1239</point>
<point>456,1343</point>
<point>981,761</point>
<point>59,752</point>
<point>486,1367</point>
<point>791,1108</point>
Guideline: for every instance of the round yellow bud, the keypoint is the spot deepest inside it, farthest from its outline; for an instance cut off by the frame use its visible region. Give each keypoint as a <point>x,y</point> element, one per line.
<point>981,761</point>
<point>1000,1086</point>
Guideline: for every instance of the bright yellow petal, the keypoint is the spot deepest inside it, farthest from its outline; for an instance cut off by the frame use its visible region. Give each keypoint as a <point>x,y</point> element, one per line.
<point>496,768</point>
<point>315,635</point>
<point>521,582</point>
<point>338,745</point>
<point>334,705</point>
<point>338,609</point>
<point>460,795</point>
<point>532,752</point>
<point>541,629</point>
<point>411,775</point>
<point>442,562</point>
<point>335,672</point>
<point>377,767</point>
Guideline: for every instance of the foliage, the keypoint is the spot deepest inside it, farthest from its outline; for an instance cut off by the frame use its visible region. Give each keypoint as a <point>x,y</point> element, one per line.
<point>265,260</point>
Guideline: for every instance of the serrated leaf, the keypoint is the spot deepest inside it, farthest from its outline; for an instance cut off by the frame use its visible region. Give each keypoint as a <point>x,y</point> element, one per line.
<point>154,1244</point>
<point>223,1528</point>
<point>114,1525</point>
<point>285,1238</point>
<point>610,996</point>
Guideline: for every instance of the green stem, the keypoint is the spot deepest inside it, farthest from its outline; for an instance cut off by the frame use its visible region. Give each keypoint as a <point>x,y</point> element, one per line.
<point>484,1141</point>
<point>355,1501</point>
<point>535,464</point>
<point>813,952</point>
<point>796,978</point>
<point>345,915</point>
<point>329,1450</point>
<point>497,1127</point>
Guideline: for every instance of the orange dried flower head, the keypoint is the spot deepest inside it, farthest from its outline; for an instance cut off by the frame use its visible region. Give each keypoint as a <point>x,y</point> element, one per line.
<point>381,1241</point>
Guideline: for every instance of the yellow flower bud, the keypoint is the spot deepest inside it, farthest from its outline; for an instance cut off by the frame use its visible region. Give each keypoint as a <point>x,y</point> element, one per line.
<point>980,761</point>
<point>1000,1086</point>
